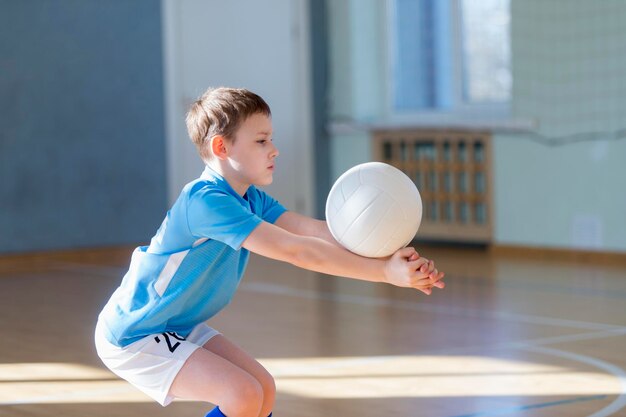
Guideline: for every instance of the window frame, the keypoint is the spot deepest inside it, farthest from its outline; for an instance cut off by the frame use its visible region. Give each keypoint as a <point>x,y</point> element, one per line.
<point>460,111</point>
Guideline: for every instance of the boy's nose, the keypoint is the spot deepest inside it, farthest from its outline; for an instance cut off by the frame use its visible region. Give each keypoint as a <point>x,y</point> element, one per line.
<point>275,152</point>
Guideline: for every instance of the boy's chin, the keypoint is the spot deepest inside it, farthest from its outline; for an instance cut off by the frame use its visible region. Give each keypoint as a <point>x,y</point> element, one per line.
<point>264,181</point>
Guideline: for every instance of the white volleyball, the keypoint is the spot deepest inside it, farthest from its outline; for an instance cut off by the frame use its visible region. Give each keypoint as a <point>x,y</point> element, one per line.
<point>374,209</point>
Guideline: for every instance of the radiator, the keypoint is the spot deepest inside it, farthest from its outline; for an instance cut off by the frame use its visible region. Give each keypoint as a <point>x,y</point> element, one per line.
<point>453,173</point>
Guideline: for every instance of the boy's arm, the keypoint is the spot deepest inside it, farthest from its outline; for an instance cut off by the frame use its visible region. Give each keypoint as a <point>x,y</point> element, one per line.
<point>318,255</point>
<point>305,226</point>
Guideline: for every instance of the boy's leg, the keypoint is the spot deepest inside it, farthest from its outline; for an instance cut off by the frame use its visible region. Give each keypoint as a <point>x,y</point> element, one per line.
<point>208,377</point>
<point>223,347</point>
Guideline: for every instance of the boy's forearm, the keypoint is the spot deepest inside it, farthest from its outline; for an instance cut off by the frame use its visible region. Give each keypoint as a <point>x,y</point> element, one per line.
<point>285,241</point>
<point>306,226</point>
<point>323,232</point>
<point>317,254</point>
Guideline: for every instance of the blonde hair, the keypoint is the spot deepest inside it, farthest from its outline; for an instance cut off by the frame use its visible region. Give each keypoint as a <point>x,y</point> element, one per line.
<point>220,111</point>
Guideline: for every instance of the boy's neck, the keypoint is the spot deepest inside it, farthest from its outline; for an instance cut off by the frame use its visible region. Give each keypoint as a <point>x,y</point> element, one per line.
<point>230,177</point>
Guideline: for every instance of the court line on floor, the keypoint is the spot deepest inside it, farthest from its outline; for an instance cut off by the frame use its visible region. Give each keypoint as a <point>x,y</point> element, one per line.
<point>509,410</point>
<point>277,289</point>
<point>606,330</point>
<point>531,342</point>
<point>619,373</point>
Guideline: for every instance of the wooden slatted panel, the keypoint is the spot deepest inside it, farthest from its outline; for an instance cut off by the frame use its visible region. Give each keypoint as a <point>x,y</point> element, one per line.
<point>452,170</point>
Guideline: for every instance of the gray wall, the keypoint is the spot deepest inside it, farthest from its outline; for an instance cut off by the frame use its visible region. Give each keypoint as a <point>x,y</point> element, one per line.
<point>82,148</point>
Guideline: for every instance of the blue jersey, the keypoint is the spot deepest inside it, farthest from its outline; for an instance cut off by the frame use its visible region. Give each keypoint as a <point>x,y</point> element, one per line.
<point>193,265</point>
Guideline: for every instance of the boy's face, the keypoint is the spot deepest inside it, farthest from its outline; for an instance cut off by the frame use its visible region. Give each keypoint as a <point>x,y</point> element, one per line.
<point>252,153</point>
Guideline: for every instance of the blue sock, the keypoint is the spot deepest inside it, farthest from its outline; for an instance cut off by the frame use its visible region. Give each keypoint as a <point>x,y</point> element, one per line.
<point>216,412</point>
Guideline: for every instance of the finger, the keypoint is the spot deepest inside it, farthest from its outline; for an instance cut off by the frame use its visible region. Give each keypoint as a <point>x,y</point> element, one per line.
<point>439,284</point>
<point>420,281</point>
<point>434,274</point>
<point>426,291</point>
<point>437,279</point>
<point>417,264</point>
<point>421,276</point>
<point>406,252</point>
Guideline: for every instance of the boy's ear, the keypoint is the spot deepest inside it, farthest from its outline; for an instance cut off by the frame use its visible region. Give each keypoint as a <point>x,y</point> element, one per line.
<point>218,147</point>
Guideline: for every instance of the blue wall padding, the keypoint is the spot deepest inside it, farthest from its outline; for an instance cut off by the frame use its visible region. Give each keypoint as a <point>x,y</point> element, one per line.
<point>82,137</point>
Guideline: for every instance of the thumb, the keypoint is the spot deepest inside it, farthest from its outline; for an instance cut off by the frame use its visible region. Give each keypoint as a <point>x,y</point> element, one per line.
<point>407,252</point>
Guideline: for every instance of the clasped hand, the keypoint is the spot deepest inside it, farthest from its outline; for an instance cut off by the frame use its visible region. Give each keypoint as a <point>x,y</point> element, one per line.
<point>406,268</point>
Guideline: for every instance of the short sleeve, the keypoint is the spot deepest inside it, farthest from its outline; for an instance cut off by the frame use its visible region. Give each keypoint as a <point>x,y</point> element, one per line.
<point>217,215</point>
<point>266,207</point>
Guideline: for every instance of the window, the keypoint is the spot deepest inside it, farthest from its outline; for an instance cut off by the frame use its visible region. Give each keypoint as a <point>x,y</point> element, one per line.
<point>486,51</point>
<point>449,55</point>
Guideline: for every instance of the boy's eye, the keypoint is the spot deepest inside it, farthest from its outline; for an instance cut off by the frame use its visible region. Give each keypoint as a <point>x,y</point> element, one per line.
<point>261,141</point>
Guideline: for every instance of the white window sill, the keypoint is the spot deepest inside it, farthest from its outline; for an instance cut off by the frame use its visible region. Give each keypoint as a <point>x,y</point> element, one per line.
<point>467,121</point>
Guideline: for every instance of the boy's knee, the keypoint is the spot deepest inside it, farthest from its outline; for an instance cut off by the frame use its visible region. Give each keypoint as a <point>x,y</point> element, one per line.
<point>269,394</point>
<point>268,384</point>
<point>245,400</point>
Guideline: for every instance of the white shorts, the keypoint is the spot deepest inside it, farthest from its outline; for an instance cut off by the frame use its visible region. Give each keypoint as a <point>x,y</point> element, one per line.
<point>152,363</point>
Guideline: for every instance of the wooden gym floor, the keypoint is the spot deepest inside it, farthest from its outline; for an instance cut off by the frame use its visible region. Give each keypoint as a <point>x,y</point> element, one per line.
<point>508,337</point>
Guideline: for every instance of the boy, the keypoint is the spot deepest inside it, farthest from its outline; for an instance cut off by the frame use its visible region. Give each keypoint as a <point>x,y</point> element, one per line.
<point>152,332</point>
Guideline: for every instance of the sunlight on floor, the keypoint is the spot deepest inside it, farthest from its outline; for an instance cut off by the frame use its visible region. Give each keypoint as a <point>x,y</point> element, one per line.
<point>432,376</point>
<point>49,383</point>
<point>46,371</point>
<point>345,377</point>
